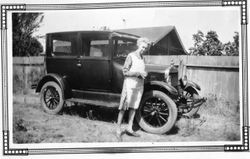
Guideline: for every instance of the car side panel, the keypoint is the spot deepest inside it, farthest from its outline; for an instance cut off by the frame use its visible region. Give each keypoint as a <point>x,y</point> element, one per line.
<point>65,67</point>
<point>117,76</point>
<point>95,74</point>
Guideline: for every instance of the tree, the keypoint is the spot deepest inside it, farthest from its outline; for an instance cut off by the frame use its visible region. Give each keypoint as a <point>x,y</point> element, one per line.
<point>232,48</point>
<point>198,41</point>
<point>24,25</point>
<point>212,46</point>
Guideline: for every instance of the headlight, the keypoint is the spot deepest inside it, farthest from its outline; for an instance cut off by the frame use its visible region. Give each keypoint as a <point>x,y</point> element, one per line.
<point>184,79</point>
<point>166,76</point>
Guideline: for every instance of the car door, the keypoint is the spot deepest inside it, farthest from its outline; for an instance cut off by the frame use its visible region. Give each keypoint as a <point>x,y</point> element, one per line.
<point>95,63</point>
<point>62,57</point>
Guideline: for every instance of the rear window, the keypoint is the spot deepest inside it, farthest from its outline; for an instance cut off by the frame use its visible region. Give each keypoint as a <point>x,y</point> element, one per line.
<point>63,44</point>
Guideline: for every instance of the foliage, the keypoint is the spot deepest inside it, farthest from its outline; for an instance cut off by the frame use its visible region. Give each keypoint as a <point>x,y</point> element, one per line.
<point>198,41</point>
<point>24,25</point>
<point>212,46</point>
<point>232,48</point>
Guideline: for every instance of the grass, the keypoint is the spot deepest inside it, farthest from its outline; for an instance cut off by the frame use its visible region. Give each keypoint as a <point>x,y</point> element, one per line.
<point>217,120</point>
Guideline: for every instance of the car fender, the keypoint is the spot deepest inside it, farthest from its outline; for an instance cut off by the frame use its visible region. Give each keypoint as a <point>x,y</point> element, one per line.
<point>192,84</point>
<point>163,85</point>
<point>61,81</point>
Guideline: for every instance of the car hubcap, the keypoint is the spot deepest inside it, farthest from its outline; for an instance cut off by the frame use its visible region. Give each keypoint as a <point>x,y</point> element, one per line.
<point>155,112</point>
<point>51,97</point>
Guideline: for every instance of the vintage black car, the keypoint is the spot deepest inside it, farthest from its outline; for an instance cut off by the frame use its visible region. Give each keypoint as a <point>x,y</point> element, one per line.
<point>86,67</point>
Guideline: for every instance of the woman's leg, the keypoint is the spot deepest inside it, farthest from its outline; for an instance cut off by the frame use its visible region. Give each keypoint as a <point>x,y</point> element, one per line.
<point>130,130</point>
<point>120,117</point>
<point>119,125</point>
<point>134,102</point>
<point>131,119</point>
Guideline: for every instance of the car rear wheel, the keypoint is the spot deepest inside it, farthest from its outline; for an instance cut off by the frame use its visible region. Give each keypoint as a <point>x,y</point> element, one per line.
<point>51,97</point>
<point>157,112</point>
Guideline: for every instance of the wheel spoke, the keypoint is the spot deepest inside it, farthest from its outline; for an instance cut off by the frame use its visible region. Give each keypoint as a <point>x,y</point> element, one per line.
<point>159,122</point>
<point>149,106</point>
<point>163,118</point>
<point>165,109</point>
<point>50,103</point>
<point>46,95</point>
<point>54,104</point>
<point>150,119</point>
<point>147,115</point>
<point>147,109</point>
<point>161,113</point>
<point>148,103</point>
<point>47,101</point>
<point>57,100</point>
<point>53,93</point>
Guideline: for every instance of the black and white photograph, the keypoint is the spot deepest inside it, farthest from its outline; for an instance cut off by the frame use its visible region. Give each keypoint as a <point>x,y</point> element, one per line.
<point>124,77</point>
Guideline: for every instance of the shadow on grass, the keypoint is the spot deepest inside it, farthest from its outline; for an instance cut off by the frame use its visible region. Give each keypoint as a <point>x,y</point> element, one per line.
<point>110,115</point>
<point>92,112</point>
<point>173,131</point>
<point>195,116</point>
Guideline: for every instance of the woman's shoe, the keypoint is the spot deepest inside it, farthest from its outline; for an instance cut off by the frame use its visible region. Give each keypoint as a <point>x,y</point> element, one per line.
<point>119,135</point>
<point>132,133</point>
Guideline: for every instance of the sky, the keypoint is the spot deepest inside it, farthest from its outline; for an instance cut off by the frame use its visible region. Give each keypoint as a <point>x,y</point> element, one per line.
<point>224,20</point>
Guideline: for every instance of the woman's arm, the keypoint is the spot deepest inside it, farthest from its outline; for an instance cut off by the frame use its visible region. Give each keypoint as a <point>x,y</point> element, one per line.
<point>126,68</point>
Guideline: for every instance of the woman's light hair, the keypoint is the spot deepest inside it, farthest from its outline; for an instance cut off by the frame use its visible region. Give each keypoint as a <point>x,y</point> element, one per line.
<point>141,41</point>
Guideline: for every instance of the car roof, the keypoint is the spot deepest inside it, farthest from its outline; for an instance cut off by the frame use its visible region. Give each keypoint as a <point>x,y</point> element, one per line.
<point>100,32</point>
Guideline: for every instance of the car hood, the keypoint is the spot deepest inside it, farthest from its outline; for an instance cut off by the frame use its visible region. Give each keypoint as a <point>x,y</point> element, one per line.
<point>149,67</point>
<point>155,72</point>
<point>156,68</point>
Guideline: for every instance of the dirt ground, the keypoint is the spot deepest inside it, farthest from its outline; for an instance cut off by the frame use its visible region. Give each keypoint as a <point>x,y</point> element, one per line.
<point>215,121</point>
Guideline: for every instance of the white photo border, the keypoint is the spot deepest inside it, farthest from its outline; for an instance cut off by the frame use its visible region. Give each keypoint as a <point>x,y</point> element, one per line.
<point>7,150</point>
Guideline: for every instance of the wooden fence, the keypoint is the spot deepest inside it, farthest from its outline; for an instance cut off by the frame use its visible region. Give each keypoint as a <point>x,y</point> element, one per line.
<point>218,76</point>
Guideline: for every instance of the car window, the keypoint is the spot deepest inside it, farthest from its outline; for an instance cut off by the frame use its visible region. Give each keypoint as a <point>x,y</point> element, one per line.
<point>98,48</point>
<point>63,44</point>
<point>124,47</point>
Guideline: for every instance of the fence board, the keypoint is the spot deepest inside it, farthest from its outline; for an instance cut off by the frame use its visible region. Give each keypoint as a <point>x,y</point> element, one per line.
<point>218,76</point>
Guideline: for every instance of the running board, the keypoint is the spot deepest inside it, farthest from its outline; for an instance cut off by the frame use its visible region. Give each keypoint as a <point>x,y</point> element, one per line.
<point>94,102</point>
<point>96,96</point>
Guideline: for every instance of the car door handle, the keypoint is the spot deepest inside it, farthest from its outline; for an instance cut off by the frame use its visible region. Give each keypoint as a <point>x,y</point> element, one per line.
<point>79,65</point>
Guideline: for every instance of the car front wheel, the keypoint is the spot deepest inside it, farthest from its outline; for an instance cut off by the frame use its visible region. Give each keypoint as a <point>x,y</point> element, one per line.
<point>51,98</point>
<point>157,112</point>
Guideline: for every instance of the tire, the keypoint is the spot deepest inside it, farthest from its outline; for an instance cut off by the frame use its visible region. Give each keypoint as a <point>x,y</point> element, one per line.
<point>157,112</point>
<point>51,98</point>
<point>190,113</point>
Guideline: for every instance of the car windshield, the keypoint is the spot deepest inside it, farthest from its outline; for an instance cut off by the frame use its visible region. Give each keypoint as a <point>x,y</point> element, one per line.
<point>124,47</point>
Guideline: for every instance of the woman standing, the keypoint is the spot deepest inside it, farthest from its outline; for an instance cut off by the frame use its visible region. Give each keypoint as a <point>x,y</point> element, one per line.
<point>135,73</point>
